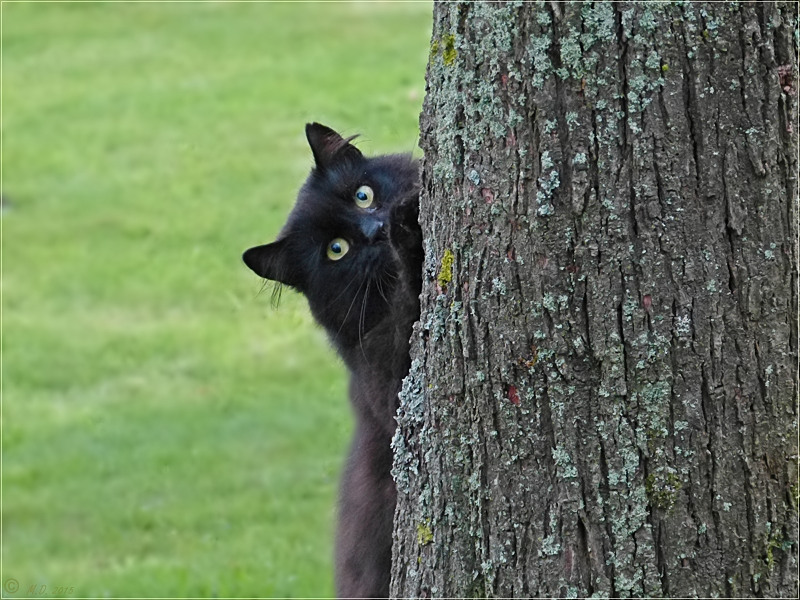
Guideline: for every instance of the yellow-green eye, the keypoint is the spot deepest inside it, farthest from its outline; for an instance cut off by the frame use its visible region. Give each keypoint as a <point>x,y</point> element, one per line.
<point>364,196</point>
<point>338,248</point>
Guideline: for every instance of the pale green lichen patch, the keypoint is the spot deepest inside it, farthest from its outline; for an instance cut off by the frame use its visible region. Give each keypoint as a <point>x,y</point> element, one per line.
<point>409,416</point>
<point>547,185</point>
<point>564,462</point>
<point>550,544</point>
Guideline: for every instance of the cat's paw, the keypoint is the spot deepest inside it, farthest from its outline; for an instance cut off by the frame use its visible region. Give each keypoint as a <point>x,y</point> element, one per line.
<point>405,235</point>
<point>405,215</point>
<point>405,232</point>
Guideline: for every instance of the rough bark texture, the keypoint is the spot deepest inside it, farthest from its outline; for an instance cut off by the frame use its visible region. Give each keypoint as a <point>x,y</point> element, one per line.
<point>603,395</point>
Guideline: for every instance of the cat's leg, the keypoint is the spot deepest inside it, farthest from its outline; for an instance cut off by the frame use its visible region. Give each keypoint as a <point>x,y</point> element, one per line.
<point>366,514</point>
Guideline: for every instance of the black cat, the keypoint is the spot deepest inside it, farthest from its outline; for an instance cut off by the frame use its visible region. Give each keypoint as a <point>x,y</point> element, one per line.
<point>353,246</point>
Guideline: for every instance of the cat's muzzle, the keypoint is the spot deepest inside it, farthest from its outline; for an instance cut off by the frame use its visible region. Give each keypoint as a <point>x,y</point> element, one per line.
<point>374,228</point>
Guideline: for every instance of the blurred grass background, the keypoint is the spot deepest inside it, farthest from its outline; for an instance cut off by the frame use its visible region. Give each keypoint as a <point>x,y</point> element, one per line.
<point>166,431</point>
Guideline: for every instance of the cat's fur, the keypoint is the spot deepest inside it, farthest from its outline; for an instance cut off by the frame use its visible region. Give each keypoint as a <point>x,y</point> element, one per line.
<point>367,301</point>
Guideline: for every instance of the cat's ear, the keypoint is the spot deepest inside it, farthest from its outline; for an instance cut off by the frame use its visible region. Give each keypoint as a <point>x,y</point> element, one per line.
<point>272,261</point>
<point>329,147</point>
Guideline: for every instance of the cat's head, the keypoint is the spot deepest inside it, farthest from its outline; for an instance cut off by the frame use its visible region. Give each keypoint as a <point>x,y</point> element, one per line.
<point>339,246</point>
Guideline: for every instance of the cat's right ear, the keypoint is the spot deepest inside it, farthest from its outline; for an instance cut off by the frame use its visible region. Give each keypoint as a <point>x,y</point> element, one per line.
<point>271,261</point>
<point>328,146</point>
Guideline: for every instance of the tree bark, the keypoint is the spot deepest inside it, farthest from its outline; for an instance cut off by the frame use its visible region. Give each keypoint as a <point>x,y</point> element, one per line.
<point>603,392</point>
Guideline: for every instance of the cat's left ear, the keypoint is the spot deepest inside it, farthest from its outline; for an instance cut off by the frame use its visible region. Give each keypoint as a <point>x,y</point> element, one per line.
<point>271,261</point>
<point>329,147</point>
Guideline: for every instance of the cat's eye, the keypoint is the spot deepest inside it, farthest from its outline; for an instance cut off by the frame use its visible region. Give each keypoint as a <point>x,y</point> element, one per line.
<point>338,248</point>
<point>364,196</point>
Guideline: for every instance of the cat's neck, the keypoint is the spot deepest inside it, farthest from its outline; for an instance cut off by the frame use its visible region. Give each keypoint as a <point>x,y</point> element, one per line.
<point>377,364</point>
<point>381,353</point>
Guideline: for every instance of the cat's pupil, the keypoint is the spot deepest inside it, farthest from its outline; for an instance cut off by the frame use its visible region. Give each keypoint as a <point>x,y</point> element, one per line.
<point>361,196</point>
<point>336,247</point>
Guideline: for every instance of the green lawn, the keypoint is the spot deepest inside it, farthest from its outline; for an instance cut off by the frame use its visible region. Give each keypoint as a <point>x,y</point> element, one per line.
<point>165,430</point>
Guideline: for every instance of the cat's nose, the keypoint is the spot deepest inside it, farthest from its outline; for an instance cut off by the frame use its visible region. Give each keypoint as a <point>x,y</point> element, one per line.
<point>374,229</point>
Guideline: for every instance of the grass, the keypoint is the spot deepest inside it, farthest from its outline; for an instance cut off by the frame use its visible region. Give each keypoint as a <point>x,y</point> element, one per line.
<point>165,431</point>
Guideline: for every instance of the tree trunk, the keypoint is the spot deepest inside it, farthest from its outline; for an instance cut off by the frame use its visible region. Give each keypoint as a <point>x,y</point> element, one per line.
<point>603,393</point>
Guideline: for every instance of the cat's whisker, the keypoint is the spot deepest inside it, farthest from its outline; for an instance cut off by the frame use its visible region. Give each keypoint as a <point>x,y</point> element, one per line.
<point>264,284</point>
<point>277,290</point>
<point>391,274</point>
<point>381,291</point>
<point>361,320</point>
<point>340,294</point>
<point>355,297</point>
